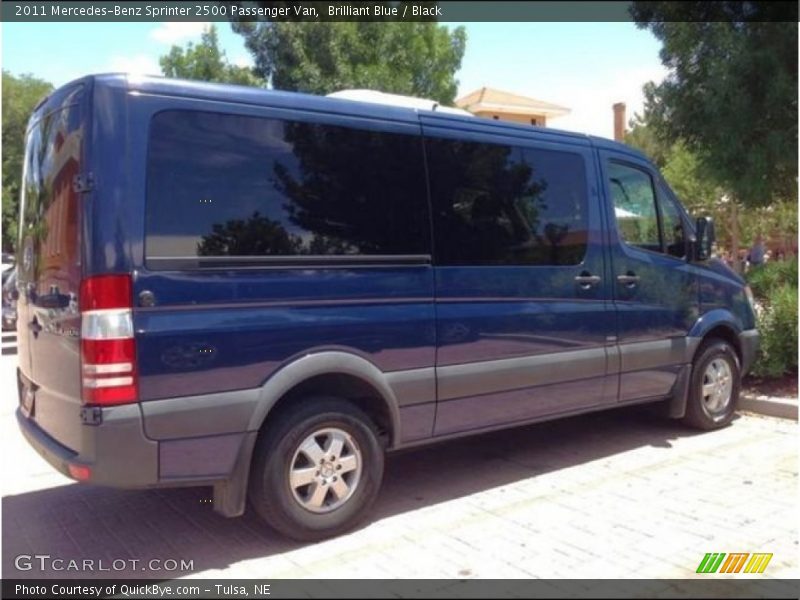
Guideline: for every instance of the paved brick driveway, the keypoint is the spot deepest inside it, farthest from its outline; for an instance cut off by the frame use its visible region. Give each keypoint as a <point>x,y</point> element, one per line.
<point>618,494</point>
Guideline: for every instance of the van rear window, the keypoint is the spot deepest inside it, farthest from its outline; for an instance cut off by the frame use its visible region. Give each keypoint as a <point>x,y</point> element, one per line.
<point>223,185</point>
<point>50,228</point>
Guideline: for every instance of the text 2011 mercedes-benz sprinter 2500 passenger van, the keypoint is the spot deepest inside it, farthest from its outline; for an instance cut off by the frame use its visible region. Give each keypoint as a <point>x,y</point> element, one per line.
<point>264,292</point>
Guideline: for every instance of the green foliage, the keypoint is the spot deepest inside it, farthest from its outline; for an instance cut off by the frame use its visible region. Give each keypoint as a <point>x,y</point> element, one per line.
<point>416,59</point>
<point>21,94</point>
<point>644,138</point>
<point>684,173</point>
<point>697,190</point>
<point>768,279</point>
<point>731,95</point>
<point>688,178</point>
<point>777,324</point>
<point>206,62</point>
<point>775,288</point>
<point>777,223</point>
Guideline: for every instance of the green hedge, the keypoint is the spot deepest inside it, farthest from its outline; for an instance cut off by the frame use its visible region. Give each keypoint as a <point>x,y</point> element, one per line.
<point>771,276</point>
<point>775,288</point>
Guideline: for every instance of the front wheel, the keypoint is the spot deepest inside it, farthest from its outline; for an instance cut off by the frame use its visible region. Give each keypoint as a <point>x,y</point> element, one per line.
<point>317,470</point>
<point>714,387</point>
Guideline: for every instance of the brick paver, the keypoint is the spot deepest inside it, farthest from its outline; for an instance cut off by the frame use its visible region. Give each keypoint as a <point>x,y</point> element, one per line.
<point>619,494</point>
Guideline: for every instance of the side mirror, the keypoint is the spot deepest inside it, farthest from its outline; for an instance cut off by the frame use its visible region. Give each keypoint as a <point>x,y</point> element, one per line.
<point>705,238</point>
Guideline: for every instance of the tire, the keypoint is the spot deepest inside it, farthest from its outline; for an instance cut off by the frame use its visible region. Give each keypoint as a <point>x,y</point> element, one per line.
<point>339,494</point>
<point>714,386</point>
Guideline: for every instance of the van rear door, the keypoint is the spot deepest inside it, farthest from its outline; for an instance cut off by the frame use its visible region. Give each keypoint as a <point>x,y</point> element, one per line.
<point>49,271</point>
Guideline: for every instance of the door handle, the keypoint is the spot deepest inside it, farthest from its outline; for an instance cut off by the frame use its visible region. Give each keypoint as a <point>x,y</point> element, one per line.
<point>586,281</point>
<point>628,280</point>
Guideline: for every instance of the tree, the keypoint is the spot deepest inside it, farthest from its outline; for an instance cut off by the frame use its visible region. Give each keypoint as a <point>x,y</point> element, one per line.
<point>256,236</point>
<point>416,59</point>
<point>206,62</point>
<point>700,194</point>
<point>21,94</point>
<point>731,94</point>
<point>685,175</point>
<point>680,166</point>
<point>645,139</point>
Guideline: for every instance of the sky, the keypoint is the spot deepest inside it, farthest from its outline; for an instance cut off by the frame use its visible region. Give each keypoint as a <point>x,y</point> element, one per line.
<point>586,67</point>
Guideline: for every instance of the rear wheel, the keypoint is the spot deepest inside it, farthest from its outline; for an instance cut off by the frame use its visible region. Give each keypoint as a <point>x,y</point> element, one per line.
<point>714,387</point>
<point>317,470</point>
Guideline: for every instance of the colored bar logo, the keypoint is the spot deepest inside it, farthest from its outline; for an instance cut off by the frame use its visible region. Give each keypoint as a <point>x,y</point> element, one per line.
<point>714,562</point>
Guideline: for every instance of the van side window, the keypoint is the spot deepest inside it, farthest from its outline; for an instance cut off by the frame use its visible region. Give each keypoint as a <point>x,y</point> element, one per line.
<point>502,205</point>
<point>634,206</point>
<point>233,185</point>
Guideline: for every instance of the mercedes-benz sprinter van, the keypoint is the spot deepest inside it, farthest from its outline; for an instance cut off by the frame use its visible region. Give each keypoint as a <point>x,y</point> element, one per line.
<point>265,292</point>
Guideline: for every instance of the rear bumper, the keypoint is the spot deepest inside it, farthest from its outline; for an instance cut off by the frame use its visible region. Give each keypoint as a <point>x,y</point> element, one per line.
<point>115,446</point>
<point>116,453</point>
<point>748,343</point>
<point>57,455</point>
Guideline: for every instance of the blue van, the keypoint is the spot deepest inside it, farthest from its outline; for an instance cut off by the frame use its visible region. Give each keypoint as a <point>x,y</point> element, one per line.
<point>264,292</point>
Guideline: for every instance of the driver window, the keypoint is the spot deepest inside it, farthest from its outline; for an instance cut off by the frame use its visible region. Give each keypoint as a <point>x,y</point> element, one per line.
<point>674,233</point>
<point>634,206</point>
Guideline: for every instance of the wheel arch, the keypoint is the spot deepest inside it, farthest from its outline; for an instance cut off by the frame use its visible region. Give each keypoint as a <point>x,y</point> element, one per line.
<point>332,373</point>
<point>716,324</point>
<point>719,324</point>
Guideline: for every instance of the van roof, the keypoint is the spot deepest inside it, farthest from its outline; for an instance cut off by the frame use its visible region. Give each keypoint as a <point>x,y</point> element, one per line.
<point>293,100</point>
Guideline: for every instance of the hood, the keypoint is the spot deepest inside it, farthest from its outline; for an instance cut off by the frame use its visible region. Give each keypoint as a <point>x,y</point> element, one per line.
<point>720,267</point>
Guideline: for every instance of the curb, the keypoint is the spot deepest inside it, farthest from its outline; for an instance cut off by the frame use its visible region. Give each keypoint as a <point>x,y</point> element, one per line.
<point>783,408</point>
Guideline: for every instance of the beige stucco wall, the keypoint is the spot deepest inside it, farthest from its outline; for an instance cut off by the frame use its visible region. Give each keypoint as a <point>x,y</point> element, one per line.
<point>541,120</point>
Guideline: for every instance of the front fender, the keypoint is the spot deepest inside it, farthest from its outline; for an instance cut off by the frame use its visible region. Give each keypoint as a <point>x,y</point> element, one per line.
<point>715,318</point>
<point>746,338</point>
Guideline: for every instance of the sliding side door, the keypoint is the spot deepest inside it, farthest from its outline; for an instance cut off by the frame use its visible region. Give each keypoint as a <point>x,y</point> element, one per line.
<point>523,319</point>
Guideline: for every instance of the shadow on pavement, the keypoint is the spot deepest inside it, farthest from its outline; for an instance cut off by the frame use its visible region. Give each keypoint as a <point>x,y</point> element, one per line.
<point>77,521</point>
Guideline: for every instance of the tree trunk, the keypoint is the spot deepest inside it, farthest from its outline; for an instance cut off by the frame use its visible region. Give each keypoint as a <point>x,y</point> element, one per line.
<point>734,215</point>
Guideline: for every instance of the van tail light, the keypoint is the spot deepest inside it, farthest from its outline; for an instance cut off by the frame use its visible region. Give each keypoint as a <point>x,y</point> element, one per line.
<point>108,347</point>
<point>80,472</point>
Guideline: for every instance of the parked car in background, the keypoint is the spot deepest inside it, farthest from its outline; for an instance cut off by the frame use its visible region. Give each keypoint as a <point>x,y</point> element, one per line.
<point>8,264</point>
<point>10,300</point>
<point>265,292</point>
